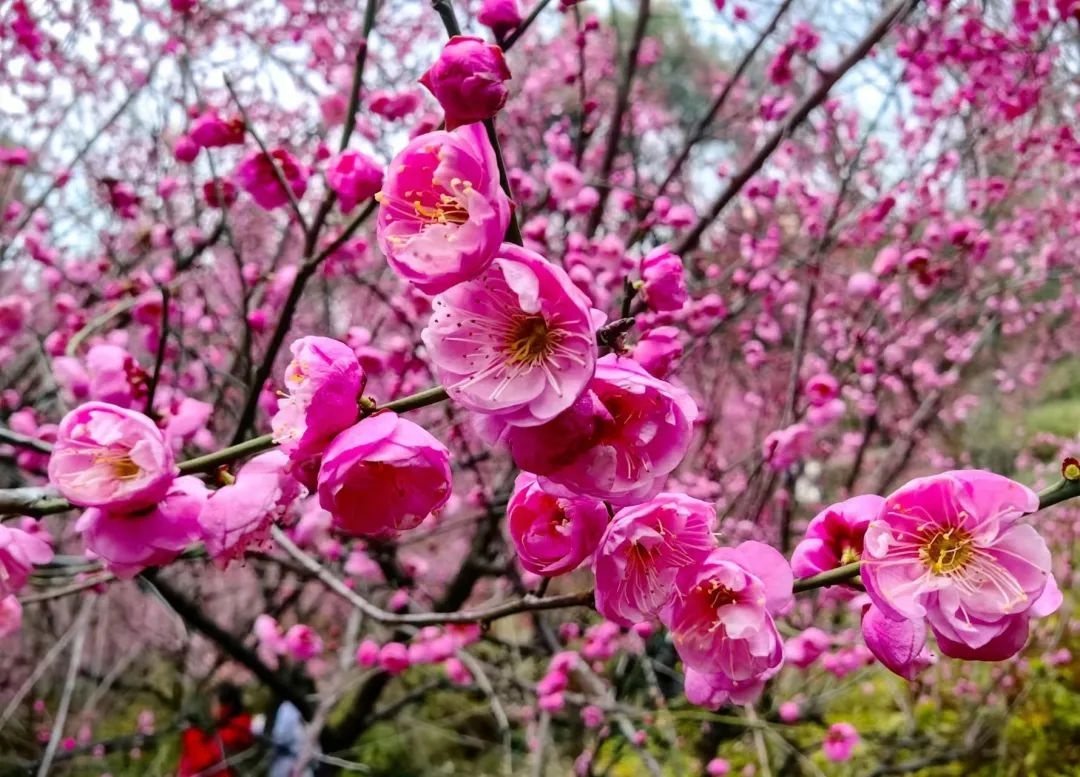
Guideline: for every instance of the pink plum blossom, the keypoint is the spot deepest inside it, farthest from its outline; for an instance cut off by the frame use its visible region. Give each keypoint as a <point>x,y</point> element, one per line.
<point>109,457</point>
<point>442,214</point>
<point>664,285</point>
<point>212,131</point>
<point>324,382</point>
<point>354,177</point>
<point>950,548</point>
<point>658,350</point>
<point>618,442</point>
<point>501,16</point>
<point>840,741</point>
<point>834,536</point>
<point>517,342</point>
<point>129,542</point>
<point>256,176</point>
<point>643,550</point>
<point>239,515</point>
<point>383,475</point>
<point>721,620</point>
<point>552,535</point>
<point>19,552</point>
<point>302,642</point>
<point>468,79</point>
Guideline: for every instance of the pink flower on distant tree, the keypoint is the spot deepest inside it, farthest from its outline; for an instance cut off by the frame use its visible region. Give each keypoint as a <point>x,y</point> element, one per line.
<point>664,283</point>
<point>256,176</point>
<point>840,741</point>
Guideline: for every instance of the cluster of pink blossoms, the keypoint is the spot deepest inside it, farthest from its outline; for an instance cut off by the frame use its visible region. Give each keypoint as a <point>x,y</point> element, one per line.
<point>945,554</point>
<point>513,339</point>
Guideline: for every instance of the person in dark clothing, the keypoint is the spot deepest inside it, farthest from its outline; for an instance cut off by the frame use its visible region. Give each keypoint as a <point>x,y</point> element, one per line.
<point>203,752</point>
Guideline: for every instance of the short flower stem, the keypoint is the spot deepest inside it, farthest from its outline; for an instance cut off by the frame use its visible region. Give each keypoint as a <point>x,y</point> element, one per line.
<point>1059,492</point>
<point>829,577</point>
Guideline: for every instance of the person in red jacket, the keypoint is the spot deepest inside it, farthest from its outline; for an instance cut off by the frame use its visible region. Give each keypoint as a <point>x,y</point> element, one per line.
<point>203,753</point>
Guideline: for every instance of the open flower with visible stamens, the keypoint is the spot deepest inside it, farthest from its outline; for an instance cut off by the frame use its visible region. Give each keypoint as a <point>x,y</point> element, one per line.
<point>949,548</point>
<point>442,213</point>
<point>721,617</point>
<point>835,536</point>
<point>110,457</point>
<point>642,551</point>
<point>518,341</point>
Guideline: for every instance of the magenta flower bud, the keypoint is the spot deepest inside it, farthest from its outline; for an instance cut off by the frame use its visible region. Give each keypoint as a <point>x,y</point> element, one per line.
<point>840,741</point>
<point>19,552</point>
<point>517,342</point>
<point>186,149</point>
<point>129,542</point>
<point>367,653</point>
<point>394,658</point>
<point>211,131</point>
<point>255,175</point>
<point>382,476</point>
<point>303,643</point>
<point>552,536</point>
<point>324,381</point>
<point>354,177</point>
<point>457,672</point>
<point>658,350</point>
<point>468,79</point>
<point>717,767</point>
<point>950,549</point>
<point>442,213</point>
<point>240,515</point>
<point>789,712</point>
<point>821,389</point>
<point>109,457</point>
<point>835,535</point>
<point>501,16</point>
<point>642,551</point>
<point>664,282</point>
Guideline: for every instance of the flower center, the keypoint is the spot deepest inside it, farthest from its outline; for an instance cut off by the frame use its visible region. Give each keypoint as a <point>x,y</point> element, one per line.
<point>720,595</point>
<point>449,210</point>
<point>123,468</point>
<point>849,555</point>
<point>530,340</point>
<point>946,551</point>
